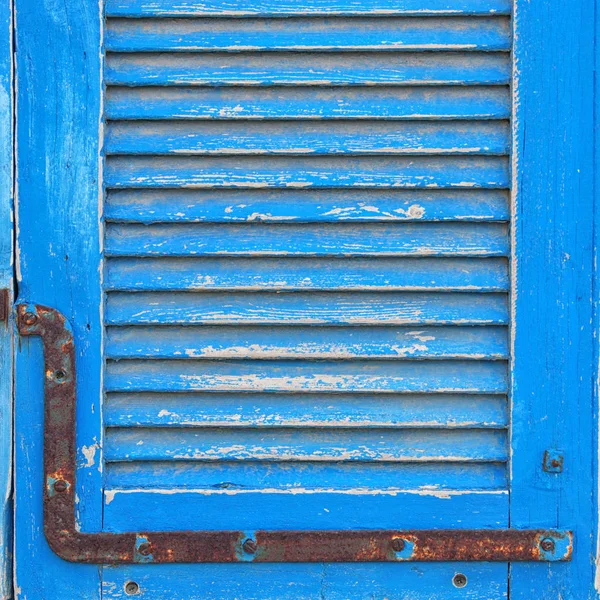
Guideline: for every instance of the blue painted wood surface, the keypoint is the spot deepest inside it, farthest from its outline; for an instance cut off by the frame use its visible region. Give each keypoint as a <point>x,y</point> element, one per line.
<point>220,137</point>
<point>308,309</point>
<point>553,387</point>
<point>228,8</point>
<point>58,72</point>
<point>259,425</point>
<point>387,33</point>
<point>348,68</point>
<point>6,282</point>
<point>311,581</point>
<point>309,509</point>
<point>324,102</point>
<point>305,206</point>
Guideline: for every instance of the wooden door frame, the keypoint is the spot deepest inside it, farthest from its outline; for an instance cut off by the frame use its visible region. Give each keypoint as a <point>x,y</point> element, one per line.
<point>7,291</point>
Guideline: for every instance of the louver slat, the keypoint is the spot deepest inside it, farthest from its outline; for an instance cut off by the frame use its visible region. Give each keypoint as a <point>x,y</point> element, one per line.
<point>378,102</point>
<point>304,206</point>
<point>307,308</point>
<point>169,35</point>
<point>192,274</point>
<point>474,411</point>
<point>329,172</point>
<point>317,343</point>
<point>228,8</point>
<point>307,251</point>
<point>308,69</point>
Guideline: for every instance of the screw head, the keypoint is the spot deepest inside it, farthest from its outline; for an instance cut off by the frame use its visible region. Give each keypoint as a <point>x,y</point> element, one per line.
<point>60,486</point>
<point>132,588</point>
<point>145,549</point>
<point>30,318</point>
<point>547,545</point>
<point>459,580</point>
<point>398,544</point>
<point>249,546</point>
<point>59,375</point>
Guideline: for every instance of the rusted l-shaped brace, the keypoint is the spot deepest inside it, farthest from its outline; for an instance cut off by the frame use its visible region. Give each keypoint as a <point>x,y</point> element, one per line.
<point>60,390</point>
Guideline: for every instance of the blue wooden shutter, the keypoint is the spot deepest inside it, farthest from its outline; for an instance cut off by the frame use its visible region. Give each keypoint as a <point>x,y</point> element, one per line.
<point>306,263</point>
<point>306,279</point>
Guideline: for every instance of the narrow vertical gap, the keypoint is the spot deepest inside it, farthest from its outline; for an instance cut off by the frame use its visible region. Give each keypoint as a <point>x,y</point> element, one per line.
<point>101,195</point>
<point>512,263</point>
<point>11,576</point>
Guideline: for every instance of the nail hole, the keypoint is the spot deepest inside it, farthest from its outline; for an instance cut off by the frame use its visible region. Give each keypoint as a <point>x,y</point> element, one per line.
<point>459,580</point>
<point>59,375</point>
<point>132,588</point>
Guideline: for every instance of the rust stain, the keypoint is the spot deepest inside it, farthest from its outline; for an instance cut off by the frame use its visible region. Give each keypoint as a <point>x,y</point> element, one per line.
<point>227,546</point>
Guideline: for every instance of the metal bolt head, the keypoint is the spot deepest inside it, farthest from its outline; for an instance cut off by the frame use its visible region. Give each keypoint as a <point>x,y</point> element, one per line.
<point>132,588</point>
<point>249,546</point>
<point>459,580</point>
<point>398,544</point>
<point>144,549</point>
<point>547,545</point>
<point>60,486</point>
<point>30,318</point>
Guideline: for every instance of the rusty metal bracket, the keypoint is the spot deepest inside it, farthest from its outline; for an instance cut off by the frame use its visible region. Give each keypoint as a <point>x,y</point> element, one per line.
<point>230,546</point>
<point>4,304</point>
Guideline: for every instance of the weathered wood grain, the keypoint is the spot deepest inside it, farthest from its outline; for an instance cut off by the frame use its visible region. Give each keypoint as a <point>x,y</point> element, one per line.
<point>307,308</point>
<point>305,410</point>
<point>225,8</point>
<point>387,33</point>
<point>305,68</point>
<point>322,102</point>
<point>305,206</point>
<point>58,69</point>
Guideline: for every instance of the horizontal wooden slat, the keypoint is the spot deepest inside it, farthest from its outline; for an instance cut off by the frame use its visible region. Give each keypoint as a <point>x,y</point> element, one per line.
<point>472,102</point>
<point>262,239</point>
<point>313,342</point>
<point>289,68</point>
<point>245,476</point>
<point>307,308</point>
<point>155,510</point>
<point>389,33</point>
<point>301,172</point>
<point>317,445</point>
<point>155,206</point>
<point>228,8</point>
<point>486,377</point>
<point>305,410</point>
<point>315,138</point>
<point>249,274</point>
